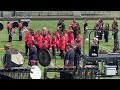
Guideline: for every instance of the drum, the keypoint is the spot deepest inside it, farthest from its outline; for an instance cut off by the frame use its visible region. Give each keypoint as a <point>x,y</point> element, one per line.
<point>15,24</point>
<point>1,26</point>
<point>25,24</point>
<point>35,72</point>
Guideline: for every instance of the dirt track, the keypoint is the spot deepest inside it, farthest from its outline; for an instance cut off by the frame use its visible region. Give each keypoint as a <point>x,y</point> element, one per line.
<point>44,18</point>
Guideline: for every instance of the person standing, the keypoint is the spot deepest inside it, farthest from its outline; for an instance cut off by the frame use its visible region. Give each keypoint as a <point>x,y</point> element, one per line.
<point>33,59</point>
<point>20,30</point>
<point>106,32</point>
<point>10,31</point>
<point>69,56</point>
<point>115,29</point>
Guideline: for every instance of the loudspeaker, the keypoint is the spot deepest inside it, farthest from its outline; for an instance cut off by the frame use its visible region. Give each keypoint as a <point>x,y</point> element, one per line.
<point>65,75</point>
<point>93,51</point>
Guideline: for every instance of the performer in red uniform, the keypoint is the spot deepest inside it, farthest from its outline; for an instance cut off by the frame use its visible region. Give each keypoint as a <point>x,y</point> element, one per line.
<point>10,31</point>
<point>57,33</point>
<point>66,38</point>
<point>79,39</point>
<point>62,45</point>
<point>45,41</point>
<point>20,30</point>
<point>54,43</point>
<point>70,36</point>
<point>49,39</point>
<point>27,35</point>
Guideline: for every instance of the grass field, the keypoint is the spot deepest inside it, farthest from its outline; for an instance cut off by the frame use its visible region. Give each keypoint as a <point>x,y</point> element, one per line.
<point>51,26</point>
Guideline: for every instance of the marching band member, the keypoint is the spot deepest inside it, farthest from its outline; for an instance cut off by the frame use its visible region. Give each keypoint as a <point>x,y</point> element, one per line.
<point>49,39</point>
<point>57,33</point>
<point>27,35</point>
<point>71,36</point>
<point>79,39</point>
<point>85,29</point>
<point>20,30</point>
<point>61,25</point>
<point>45,41</point>
<point>54,42</point>
<point>106,33</point>
<point>10,31</point>
<point>115,27</point>
<point>62,45</point>
<point>66,38</point>
<point>33,59</point>
<point>100,25</point>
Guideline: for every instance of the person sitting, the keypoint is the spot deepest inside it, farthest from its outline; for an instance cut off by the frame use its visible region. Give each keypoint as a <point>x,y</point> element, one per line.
<point>7,57</point>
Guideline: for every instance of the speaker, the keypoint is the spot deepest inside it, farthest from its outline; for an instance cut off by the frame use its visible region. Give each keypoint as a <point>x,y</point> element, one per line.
<point>93,51</point>
<point>65,75</point>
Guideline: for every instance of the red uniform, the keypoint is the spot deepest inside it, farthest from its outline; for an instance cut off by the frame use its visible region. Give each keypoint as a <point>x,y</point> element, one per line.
<point>27,35</point>
<point>58,37</point>
<point>66,38</point>
<point>29,42</point>
<point>79,37</point>
<point>38,39</point>
<point>62,43</point>
<point>48,36</point>
<point>54,41</point>
<point>19,26</point>
<point>9,26</point>
<point>45,42</point>
<point>71,38</point>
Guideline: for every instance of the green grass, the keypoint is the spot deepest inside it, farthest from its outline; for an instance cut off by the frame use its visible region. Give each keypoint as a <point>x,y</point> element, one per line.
<point>51,25</point>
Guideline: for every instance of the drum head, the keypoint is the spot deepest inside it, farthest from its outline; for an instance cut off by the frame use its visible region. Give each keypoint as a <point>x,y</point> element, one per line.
<point>25,24</point>
<point>1,26</point>
<point>15,24</point>
<point>44,57</point>
<point>35,72</point>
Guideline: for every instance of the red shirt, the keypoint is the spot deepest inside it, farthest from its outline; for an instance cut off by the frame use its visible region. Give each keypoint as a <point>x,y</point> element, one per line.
<point>29,42</point>
<point>19,25</point>
<point>71,38</point>
<point>45,42</point>
<point>54,41</point>
<point>38,39</point>
<point>62,43</point>
<point>66,38</point>
<point>79,37</point>
<point>9,26</point>
<point>48,36</point>
<point>27,35</point>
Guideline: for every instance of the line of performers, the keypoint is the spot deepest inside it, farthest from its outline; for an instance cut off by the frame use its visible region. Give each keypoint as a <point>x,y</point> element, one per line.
<point>99,26</point>
<point>11,31</point>
<point>58,40</point>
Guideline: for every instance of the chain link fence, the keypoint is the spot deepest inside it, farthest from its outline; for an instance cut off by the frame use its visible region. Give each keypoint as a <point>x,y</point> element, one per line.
<point>59,13</point>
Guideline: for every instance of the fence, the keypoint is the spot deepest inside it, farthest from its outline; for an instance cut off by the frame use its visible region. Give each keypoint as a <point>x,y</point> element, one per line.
<point>59,13</point>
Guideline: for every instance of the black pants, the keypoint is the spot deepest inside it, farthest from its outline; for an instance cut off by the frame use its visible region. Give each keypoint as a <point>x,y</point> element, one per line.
<point>57,48</point>
<point>115,35</point>
<point>76,60</point>
<point>62,54</point>
<point>106,36</point>
<point>20,38</point>
<point>53,51</point>
<point>10,38</point>
<point>26,48</point>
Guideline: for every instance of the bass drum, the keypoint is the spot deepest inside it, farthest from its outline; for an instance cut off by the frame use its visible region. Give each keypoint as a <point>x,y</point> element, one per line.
<point>16,58</point>
<point>35,72</point>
